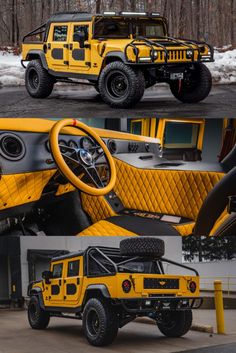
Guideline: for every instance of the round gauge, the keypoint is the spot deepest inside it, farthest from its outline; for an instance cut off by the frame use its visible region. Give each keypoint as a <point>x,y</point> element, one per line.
<point>47,143</point>
<point>72,144</point>
<point>112,146</point>
<point>88,144</point>
<point>63,143</point>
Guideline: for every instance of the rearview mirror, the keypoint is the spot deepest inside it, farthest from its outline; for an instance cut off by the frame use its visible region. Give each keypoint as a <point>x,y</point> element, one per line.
<point>47,275</point>
<point>80,38</point>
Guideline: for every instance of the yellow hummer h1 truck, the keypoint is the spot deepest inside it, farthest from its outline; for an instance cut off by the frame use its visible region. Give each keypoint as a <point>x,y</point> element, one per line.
<point>109,287</point>
<point>120,54</point>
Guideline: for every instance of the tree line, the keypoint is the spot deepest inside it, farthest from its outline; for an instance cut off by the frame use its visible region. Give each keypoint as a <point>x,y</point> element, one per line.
<point>210,20</point>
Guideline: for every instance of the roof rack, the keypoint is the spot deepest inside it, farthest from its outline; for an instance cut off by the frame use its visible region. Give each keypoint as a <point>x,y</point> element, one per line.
<point>70,12</point>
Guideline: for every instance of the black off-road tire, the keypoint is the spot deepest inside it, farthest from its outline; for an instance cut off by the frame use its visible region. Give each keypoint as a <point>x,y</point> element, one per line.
<point>196,90</point>
<point>143,246</point>
<point>100,313</point>
<point>177,324</point>
<point>96,88</point>
<point>38,82</point>
<point>38,318</point>
<point>132,85</point>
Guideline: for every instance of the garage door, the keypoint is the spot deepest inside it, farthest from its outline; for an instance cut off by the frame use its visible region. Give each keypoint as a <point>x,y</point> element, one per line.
<point>4,279</point>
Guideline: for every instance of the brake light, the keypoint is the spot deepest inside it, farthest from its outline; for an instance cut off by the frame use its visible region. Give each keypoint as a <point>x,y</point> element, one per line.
<point>192,286</point>
<point>126,286</point>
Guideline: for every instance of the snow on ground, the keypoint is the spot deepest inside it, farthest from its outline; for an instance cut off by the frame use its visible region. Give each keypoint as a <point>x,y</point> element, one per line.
<point>11,71</point>
<point>223,69</point>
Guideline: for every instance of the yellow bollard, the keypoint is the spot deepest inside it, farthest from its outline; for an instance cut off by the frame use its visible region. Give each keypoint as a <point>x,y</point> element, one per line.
<point>219,305</point>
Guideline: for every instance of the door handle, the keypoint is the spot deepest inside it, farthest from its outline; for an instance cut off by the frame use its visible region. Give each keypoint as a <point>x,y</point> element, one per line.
<point>49,46</point>
<point>78,280</point>
<point>71,46</point>
<point>59,282</point>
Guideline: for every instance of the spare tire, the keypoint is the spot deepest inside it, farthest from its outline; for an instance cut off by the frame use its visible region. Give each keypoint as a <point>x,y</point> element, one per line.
<point>143,246</point>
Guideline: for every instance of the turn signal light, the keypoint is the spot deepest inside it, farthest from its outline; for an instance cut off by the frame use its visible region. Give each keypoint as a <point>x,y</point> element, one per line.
<point>192,287</point>
<point>126,286</point>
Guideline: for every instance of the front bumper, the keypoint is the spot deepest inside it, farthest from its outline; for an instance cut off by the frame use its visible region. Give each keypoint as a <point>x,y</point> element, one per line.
<point>159,303</point>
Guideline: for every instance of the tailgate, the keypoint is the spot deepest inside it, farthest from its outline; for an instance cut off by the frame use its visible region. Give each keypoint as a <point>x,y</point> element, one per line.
<point>165,284</point>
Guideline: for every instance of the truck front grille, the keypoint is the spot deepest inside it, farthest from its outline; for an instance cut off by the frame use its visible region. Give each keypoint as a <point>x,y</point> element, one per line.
<point>173,55</point>
<point>160,283</point>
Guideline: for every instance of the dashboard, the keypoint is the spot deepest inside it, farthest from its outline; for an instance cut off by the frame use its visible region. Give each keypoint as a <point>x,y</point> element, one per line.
<point>23,152</point>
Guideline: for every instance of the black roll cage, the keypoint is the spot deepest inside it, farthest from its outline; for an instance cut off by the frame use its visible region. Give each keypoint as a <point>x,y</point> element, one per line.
<point>39,30</point>
<point>107,253</point>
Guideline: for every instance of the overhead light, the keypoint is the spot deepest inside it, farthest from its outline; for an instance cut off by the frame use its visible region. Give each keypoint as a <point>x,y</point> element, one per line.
<point>109,13</point>
<point>124,13</point>
<point>155,14</point>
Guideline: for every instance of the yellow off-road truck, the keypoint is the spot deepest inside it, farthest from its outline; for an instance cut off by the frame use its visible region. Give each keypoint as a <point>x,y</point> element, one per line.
<point>120,54</point>
<point>109,287</point>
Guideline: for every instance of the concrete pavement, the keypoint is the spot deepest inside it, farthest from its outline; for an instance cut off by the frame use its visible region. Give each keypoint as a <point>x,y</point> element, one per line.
<point>72,101</point>
<point>207,317</point>
<point>66,336</point>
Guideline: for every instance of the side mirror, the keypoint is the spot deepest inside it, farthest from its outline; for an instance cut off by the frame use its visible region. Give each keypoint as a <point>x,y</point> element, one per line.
<point>80,37</point>
<point>47,275</point>
<point>231,204</point>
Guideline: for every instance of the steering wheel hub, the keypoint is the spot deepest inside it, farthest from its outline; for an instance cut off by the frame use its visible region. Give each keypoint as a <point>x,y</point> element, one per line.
<point>86,157</point>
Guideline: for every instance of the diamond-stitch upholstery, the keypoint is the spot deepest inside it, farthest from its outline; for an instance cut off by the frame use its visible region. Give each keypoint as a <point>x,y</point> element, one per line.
<point>104,228</point>
<point>18,189</point>
<point>223,217</point>
<point>63,189</point>
<point>165,191</point>
<point>96,207</point>
<point>185,229</point>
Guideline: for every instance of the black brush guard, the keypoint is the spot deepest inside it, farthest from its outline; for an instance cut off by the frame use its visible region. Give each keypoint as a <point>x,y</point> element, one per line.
<point>140,41</point>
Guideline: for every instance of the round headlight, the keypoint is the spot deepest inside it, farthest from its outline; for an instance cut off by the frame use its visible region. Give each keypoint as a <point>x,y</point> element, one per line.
<point>189,54</point>
<point>155,54</point>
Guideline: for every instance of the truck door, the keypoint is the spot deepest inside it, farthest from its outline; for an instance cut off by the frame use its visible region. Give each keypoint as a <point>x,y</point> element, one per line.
<point>73,281</point>
<point>57,47</point>
<point>80,53</point>
<point>55,288</point>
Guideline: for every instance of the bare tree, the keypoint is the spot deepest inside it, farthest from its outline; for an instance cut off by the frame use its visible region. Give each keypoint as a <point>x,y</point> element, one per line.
<point>211,20</point>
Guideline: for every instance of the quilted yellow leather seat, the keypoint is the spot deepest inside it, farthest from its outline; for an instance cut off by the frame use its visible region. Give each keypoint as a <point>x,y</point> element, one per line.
<point>210,218</point>
<point>123,225</point>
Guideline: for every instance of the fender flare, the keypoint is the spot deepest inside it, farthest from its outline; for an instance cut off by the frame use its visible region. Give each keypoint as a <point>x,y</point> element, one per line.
<point>40,54</point>
<point>115,54</point>
<point>37,291</point>
<point>100,287</point>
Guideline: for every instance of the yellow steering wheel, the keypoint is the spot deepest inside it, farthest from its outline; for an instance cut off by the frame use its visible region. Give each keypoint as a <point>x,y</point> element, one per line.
<point>81,160</point>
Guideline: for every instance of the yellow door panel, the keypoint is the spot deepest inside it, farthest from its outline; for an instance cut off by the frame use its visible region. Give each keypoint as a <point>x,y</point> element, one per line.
<point>79,57</point>
<point>54,292</point>
<point>73,281</point>
<point>57,47</point>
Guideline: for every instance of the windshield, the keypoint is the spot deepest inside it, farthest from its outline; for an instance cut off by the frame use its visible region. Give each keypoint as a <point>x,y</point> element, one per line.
<point>123,28</point>
<point>148,29</point>
<point>111,28</point>
<point>150,267</point>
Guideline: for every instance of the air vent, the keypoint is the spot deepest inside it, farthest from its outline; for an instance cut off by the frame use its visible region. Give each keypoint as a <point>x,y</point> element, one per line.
<point>133,147</point>
<point>147,147</point>
<point>11,147</point>
<point>112,146</point>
